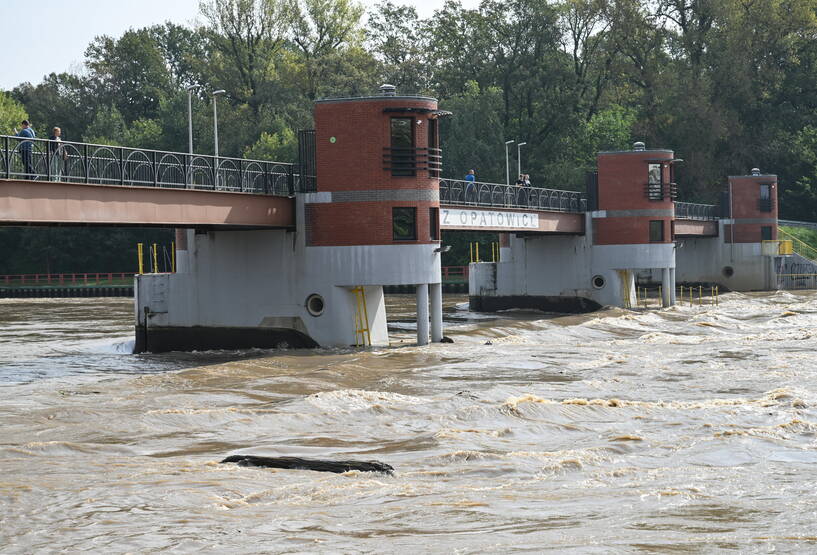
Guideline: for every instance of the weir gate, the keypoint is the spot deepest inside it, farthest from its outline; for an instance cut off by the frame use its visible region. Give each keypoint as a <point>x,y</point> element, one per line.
<point>272,254</point>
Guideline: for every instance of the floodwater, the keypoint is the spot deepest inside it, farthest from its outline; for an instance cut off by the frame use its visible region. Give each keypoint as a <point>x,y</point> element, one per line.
<point>692,429</point>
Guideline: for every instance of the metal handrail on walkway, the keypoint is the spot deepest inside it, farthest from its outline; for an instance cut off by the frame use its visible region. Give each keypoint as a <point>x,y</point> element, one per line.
<point>692,211</point>
<point>476,193</point>
<point>71,162</point>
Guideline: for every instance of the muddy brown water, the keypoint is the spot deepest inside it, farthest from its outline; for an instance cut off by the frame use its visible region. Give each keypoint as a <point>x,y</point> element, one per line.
<point>692,429</point>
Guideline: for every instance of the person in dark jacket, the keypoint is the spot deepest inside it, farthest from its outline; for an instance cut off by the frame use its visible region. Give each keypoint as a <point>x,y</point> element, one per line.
<point>27,148</point>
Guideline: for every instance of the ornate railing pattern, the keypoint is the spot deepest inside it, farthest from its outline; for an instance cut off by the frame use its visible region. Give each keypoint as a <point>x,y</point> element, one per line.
<point>692,211</point>
<point>475,193</point>
<point>72,162</point>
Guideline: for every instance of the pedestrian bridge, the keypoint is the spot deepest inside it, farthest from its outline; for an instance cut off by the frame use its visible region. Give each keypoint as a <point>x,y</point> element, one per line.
<point>102,185</point>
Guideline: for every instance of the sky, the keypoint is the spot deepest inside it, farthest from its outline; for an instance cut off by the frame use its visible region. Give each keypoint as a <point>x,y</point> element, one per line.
<point>57,32</point>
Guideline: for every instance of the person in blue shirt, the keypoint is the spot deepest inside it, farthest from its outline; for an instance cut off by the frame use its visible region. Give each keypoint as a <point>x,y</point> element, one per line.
<point>27,148</point>
<point>470,177</point>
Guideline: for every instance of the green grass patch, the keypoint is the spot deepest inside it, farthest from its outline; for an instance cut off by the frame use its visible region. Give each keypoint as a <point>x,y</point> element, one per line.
<point>806,235</point>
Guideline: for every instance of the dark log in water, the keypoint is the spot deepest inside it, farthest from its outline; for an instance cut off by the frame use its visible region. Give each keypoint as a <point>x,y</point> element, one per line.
<point>296,463</point>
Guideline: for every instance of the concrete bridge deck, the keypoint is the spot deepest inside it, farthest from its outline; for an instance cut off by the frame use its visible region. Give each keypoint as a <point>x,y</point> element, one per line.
<point>24,202</point>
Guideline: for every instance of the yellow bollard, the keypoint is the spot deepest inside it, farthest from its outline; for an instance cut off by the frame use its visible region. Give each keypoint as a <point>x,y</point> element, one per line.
<point>471,251</point>
<point>155,260</point>
<point>173,256</point>
<point>140,255</point>
<point>690,295</point>
<point>477,250</point>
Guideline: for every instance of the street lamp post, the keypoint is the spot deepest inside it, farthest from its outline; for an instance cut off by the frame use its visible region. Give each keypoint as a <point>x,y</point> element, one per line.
<point>507,167</point>
<point>190,118</point>
<point>519,157</point>
<point>190,134</point>
<point>215,132</point>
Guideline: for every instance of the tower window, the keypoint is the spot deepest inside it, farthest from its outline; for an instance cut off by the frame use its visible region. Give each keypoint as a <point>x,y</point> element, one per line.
<point>434,224</point>
<point>656,231</point>
<point>655,189</point>
<point>404,223</point>
<point>403,156</point>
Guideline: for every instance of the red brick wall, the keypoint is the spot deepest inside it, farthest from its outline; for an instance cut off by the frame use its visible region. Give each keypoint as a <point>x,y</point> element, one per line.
<point>623,178</point>
<point>627,231</point>
<point>362,223</point>
<point>745,196</point>
<point>354,162</point>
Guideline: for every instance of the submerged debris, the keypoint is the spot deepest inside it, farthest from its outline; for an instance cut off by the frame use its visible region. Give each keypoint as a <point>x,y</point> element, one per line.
<point>297,463</point>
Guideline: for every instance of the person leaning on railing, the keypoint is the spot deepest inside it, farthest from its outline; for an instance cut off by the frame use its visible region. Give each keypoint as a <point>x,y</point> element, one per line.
<point>27,148</point>
<point>59,156</point>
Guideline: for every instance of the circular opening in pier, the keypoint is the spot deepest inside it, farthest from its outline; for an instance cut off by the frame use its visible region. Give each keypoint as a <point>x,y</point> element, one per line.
<point>598,282</point>
<point>314,304</point>
<point>728,271</point>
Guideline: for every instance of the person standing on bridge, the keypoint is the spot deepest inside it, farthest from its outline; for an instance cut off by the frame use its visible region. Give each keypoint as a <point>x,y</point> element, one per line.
<point>57,152</point>
<point>27,148</point>
<point>470,178</point>
<point>520,181</point>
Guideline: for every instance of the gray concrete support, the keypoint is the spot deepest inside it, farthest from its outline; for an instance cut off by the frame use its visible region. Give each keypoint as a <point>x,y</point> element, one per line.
<point>436,299</point>
<point>422,314</point>
<point>182,255</point>
<point>673,297</point>
<point>666,288</point>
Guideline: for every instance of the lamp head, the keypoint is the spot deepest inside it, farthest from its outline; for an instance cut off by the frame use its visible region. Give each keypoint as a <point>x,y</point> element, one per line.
<point>220,91</point>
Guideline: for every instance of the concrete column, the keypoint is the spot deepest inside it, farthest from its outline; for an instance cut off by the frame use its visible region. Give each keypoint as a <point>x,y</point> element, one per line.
<point>504,247</point>
<point>422,314</point>
<point>672,297</point>
<point>436,298</point>
<point>182,262</point>
<point>665,287</point>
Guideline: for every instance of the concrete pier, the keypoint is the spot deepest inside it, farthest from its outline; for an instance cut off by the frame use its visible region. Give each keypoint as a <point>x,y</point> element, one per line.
<point>422,314</point>
<point>436,298</point>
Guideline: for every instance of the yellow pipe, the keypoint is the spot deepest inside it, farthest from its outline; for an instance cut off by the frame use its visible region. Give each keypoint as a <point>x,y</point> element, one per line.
<point>173,256</point>
<point>155,260</point>
<point>477,249</point>
<point>140,255</point>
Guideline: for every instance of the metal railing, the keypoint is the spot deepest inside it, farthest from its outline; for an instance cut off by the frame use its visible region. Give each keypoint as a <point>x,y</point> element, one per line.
<point>796,281</point>
<point>64,161</point>
<point>407,162</point>
<point>661,191</point>
<point>474,193</point>
<point>692,211</point>
<point>72,278</point>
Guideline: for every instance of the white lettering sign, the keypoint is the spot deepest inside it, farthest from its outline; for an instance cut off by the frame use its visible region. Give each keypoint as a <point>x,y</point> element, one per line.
<point>492,219</point>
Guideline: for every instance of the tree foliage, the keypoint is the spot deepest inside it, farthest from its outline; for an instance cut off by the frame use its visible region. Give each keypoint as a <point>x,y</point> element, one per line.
<point>12,114</point>
<point>727,84</point>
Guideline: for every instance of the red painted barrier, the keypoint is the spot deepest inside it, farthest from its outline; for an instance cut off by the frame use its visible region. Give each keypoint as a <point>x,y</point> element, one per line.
<point>455,273</point>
